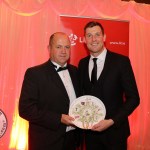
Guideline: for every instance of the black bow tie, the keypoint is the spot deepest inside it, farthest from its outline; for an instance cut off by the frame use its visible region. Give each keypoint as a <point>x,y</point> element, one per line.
<point>61,68</point>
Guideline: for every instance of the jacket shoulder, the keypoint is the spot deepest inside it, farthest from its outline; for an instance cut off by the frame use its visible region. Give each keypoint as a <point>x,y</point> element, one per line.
<point>117,57</point>
<point>84,60</point>
<point>37,70</point>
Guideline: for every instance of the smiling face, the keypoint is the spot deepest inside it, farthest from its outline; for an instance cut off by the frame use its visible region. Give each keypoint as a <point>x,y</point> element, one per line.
<point>94,39</point>
<point>60,48</point>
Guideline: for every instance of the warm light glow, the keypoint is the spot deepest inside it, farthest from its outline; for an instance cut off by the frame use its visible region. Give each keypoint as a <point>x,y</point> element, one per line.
<point>26,7</point>
<point>25,27</point>
<point>19,133</point>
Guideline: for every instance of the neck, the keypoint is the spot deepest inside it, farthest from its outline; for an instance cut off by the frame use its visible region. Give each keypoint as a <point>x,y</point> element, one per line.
<point>97,53</point>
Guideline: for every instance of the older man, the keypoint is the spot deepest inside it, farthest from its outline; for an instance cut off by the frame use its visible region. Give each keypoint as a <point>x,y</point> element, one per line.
<point>47,92</point>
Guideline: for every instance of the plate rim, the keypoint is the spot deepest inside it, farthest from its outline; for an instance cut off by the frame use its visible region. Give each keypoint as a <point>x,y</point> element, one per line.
<point>93,98</point>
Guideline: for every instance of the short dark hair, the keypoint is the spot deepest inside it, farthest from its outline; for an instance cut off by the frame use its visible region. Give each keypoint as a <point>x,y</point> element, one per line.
<point>92,24</point>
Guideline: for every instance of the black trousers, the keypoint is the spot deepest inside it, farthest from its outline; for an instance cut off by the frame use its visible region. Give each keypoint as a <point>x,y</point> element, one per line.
<point>70,140</point>
<point>100,141</point>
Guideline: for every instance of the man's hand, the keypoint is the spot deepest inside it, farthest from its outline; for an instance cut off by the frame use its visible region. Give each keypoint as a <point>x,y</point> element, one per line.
<point>66,119</point>
<point>102,125</point>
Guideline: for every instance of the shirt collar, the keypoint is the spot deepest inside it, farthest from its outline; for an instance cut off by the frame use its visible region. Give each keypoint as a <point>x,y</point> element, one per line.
<point>57,65</point>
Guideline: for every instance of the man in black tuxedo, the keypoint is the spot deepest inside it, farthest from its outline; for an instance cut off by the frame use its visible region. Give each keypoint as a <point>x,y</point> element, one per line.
<point>114,84</point>
<point>47,92</point>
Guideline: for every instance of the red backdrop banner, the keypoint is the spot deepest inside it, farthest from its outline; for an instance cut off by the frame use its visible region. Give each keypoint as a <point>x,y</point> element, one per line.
<point>117,35</point>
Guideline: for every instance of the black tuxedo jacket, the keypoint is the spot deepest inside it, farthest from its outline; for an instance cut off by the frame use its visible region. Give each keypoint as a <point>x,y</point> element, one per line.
<point>43,99</point>
<point>116,87</point>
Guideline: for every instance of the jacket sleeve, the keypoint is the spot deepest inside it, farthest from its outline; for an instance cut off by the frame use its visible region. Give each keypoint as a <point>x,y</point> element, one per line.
<point>29,108</point>
<point>131,95</point>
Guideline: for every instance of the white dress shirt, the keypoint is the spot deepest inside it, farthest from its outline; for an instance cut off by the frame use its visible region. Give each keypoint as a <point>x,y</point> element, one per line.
<point>100,63</point>
<point>66,79</point>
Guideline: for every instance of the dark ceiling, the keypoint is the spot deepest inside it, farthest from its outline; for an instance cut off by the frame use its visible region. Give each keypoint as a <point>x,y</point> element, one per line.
<point>140,1</point>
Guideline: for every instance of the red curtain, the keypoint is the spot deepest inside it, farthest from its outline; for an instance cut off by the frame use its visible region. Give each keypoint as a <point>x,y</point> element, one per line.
<point>25,27</point>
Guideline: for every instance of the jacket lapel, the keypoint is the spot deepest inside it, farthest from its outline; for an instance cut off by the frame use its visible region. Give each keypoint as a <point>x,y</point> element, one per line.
<point>87,77</point>
<point>74,80</point>
<point>54,78</point>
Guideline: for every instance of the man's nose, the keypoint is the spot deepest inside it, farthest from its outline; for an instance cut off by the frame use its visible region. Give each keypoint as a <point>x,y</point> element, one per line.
<point>63,50</point>
<point>93,38</point>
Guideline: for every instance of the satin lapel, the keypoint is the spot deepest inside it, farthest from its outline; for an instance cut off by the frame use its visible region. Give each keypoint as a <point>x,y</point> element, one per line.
<point>74,80</point>
<point>54,78</point>
<point>87,78</point>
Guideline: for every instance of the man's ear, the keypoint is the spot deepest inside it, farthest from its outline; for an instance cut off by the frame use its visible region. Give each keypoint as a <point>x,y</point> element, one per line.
<point>84,39</point>
<point>104,38</point>
<point>48,47</point>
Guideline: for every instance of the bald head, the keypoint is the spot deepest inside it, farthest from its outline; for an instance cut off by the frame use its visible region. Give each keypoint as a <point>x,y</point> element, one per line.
<point>55,35</point>
<point>60,47</point>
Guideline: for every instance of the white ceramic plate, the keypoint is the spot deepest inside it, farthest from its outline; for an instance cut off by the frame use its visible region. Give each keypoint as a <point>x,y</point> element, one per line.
<point>87,111</point>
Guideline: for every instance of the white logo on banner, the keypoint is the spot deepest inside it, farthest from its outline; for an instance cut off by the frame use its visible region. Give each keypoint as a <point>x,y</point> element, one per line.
<point>117,43</point>
<point>3,123</point>
<point>74,38</point>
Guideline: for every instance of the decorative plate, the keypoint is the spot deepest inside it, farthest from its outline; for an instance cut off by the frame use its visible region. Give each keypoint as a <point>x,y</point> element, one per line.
<point>87,111</point>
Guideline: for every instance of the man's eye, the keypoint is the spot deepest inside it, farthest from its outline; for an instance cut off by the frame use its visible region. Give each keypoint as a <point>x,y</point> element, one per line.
<point>68,47</point>
<point>98,34</point>
<point>58,47</point>
<point>89,35</point>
